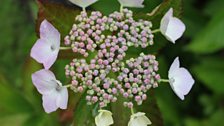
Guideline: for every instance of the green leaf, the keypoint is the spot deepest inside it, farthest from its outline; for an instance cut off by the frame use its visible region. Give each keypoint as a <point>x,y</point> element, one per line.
<point>210,72</point>
<point>210,39</point>
<point>11,100</point>
<point>14,120</point>
<point>84,114</point>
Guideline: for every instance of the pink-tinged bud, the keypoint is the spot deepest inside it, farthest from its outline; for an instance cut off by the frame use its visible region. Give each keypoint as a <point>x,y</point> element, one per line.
<point>94,99</point>
<point>146,81</point>
<point>106,85</point>
<point>105,62</point>
<point>72,73</point>
<point>138,98</point>
<point>100,61</point>
<point>74,49</point>
<point>144,96</point>
<point>127,85</point>
<point>79,70</point>
<point>125,94</point>
<point>88,98</point>
<point>114,91</point>
<point>130,105</point>
<point>134,91</point>
<point>80,89</point>
<point>105,96</point>
<point>74,83</point>
<point>89,82</point>
<point>157,77</point>
<point>102,104</point>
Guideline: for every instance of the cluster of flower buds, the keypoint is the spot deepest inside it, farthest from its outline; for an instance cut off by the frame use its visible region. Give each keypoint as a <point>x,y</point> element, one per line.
<point>118,29</point>
<point>110,37</point>
<point>104,72</point>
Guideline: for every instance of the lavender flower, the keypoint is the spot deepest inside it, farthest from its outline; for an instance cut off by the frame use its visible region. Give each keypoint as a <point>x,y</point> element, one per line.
<point>46,48</point>
<point>54,95</point>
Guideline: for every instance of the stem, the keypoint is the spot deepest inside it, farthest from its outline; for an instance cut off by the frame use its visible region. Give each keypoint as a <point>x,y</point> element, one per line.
<point>164,80</point>
<point>67,86</point>
<point>121,8</point>
<point>65,48</point>
<point>132,111</point>
<point>156,30</point>
<point>84,9</point>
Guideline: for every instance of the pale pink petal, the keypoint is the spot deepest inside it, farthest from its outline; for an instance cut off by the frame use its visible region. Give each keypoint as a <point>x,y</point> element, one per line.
<point>132,3</point>
<point>50,34</point>
<point>43,80</point>
<point>49,102</point>
<point>46,49</point>
<point>83,3</point>
<point>62,100</point>
<point>175,65</point>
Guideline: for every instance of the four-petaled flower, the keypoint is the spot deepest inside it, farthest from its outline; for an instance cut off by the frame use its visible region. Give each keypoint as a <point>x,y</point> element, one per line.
<point>132,3</point>
<point>171,27</point>
<point>180,79</point>
<point>104,118</point>
<point>139,119</point>
<point>46,49</point>
<point>54,95</point>
<point>83,3</point>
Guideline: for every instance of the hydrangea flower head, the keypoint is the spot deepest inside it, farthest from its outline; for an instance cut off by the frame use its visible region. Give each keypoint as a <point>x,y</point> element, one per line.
<point>54,95</point>
<point>171,27</point>
<point>46,49</point>
<point>180,79</point>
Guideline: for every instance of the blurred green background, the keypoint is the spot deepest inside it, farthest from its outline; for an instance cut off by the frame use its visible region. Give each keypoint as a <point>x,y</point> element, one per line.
<point>201,50</point>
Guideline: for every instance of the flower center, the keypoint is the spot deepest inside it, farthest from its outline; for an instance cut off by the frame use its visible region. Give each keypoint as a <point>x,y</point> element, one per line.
<point>53,47</point>
<point>172,80</point>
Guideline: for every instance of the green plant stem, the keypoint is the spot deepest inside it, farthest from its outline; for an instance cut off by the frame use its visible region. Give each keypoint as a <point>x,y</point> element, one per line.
<point>65,48</point>
<point>67,86</point>
<point>132,111</point>
<point>156,31</point>
<point>164,80</point>
<point>121,8</point>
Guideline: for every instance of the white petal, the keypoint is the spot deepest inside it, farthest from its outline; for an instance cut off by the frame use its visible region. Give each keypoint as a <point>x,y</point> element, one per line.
<point>43,80</point>
<point>49,102</point>
<point>139,119</point>
<point>165,21</point>
<point>175,65</point>
<point>181,80</point>
<point>62,100</point>
<point>171,27</point>
<point>175,29</point>
<point>104,118</point>
<point>132,3</point>
<point>83,3</point>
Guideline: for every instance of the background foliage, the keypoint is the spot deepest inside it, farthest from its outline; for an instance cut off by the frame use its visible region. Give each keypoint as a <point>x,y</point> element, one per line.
<point>201,50</point>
